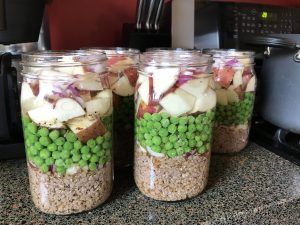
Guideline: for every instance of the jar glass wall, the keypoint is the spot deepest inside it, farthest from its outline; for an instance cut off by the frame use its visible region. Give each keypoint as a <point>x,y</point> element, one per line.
<point>235,87</point>
<point>175,102</point>
<point>67,111</point>
<point>122,73</point>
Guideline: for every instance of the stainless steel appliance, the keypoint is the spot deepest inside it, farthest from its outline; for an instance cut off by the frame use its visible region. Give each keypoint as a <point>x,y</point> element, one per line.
<point>20,22</point>
<point>206,24</point>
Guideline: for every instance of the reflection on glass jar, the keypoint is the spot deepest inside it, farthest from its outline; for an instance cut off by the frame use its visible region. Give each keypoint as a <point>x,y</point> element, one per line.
<point>67,111</point>
<point>175,107</point>
<point>235,87</point>
<point>122,74</point>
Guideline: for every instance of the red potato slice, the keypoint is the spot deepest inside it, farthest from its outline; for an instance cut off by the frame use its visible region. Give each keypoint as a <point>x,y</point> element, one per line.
<point>119,66</point>
<point>91,83</point>
<point>164,79</point>
<point>232,96</point>
<point>144,108</point>
<point>196,87</point>
<point>67,108</point>
<point>238,78</point>
<point>113,78</point>
<point>86,129</point>
<point>251,85</point>
<point>224,76</point>
<point>100,104</point>
<point>206,102</point>
<point>35,88</point>
<point>115,59</point>
<point>132,75</point>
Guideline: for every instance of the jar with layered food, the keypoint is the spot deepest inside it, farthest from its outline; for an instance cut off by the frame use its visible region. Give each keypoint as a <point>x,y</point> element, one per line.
<point>66,106</point>
<point>235,87</point>
<point>122,74</point>
<point>175,108</point>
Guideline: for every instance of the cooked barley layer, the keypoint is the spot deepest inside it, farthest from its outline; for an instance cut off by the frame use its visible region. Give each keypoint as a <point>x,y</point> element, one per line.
<point>67,194</point>
<point>171,179</point>
<point>230,139</point>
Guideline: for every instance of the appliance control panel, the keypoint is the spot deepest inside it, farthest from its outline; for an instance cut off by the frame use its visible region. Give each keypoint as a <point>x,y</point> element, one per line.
<point>261,19</point>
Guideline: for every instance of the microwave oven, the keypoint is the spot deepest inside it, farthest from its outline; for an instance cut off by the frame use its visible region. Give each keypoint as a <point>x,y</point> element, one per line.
<point>203,24</point>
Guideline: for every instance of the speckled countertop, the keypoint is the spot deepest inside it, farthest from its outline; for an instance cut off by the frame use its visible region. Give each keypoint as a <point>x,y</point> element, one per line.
<point>253,187</point>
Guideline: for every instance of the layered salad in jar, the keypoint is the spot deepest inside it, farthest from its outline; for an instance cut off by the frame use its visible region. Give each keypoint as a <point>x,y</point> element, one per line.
<point>67,111</point>
<point>122,74</point>
<point>235,87</point>
<point>175,109</point>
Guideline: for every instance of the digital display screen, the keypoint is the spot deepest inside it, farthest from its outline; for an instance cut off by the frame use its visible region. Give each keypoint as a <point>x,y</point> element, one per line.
<point>271,16</point>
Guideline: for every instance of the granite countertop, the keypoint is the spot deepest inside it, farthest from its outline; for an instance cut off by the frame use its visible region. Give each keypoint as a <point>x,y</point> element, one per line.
<point>252,187</point>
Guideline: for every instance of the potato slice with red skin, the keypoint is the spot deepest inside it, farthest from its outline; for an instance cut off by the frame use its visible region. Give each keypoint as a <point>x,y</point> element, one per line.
<point>143,108</point>
<point>224,76</point>
<point>131,74</point>
<point>86,129</point>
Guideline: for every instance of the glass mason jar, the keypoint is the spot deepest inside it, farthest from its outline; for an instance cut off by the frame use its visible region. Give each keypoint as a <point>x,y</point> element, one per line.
<point>66,106</point>
<point>122,74</point>
<point>175,103</point>
<point>235,87</point>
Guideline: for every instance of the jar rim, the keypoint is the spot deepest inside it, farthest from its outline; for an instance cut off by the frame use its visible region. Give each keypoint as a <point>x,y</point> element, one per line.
<point>113,51</point>
<point>175,58</point>
<point>229,53</point>
<point>62,58</point>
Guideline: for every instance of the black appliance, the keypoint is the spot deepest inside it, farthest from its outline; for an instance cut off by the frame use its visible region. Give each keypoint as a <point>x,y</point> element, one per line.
<point>20,22</point>
<point>222,24</point>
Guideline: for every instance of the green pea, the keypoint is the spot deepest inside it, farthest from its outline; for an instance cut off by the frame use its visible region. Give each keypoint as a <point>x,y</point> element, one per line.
<point>44,154</point>
<point>157,125</point>
<point>168,146</point>
<point>156,140</point>
<point>192,143</point>
<point>199,127</point>
<point>25,121</point>
<point>32,128</point>
<point>86,157</point>
<point>183,120</point>
<point>60,148</point>
<point>163,132</point>
<point>49,161</point>
<point>172,128</point>
<point>32,139</point>
<point>76,158</point>
<point>100,153</point>
<point>65,154</point>
<point>44,168</point>
<point>156,148</point>
<point>102,161</point>
<point>32,151</point>
<point>191,119</point>
<point>71,137</point>
<point>92,166</point>
<point>38,160</point>
<point>43,132</point>
<point>164,115</point>
<point>60,141</point>
<point>202,149</point>
<point>68,163</point>
<point>96,149</point>
<point>147,136</point>
<point>147,116</point>
<point>172,153</point>
<point>94,158</point>
<point>177,145</point>
<point>165,139</point>
<point>85,149</point>
<point>77,145</point>
<point>56,155</point>
<point>174,120</point>
<point>107,136</point>
<point>182,128</point>
<point>187,149</point>
<point>91,143</point>
<point>63,132</point>
<point>192,128</point>
<point>180,151</point>
<point>54,135</point>
<point>100,140</point>
<point>45,141</point>
<point>149,125</point>
<point>173,138</point>
<point>60,169</point>
<point>204,137</point>
<point>165,122</point>
<point>59,162</point>
<point>106,145</point>
<point>52,147</point>
<point>148,142</point>
<point>68,146</point>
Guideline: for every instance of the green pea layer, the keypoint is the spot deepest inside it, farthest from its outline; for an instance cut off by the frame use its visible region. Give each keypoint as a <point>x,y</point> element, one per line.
<point>46,148</point>
<point>175,136</point>
<point>237,112</point>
